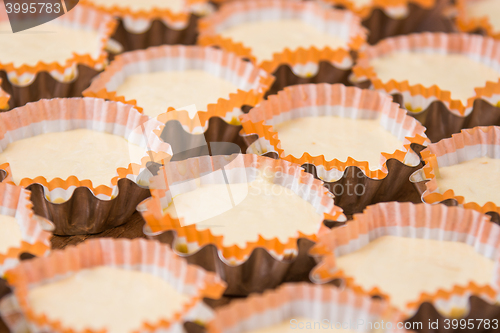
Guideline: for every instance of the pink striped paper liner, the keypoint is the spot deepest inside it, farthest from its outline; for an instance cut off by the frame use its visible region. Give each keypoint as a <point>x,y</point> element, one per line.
<point>312,100</point>
<point>417,97</point>
<point>15,202</point>
<point>138,254</point>
<point>243,169</point>
<point>303,60</point>
<point>60,114</point>
<point>353,311</point>
<point>437,222</point>
<point>464,146</point>
<point>252,82</point>
<point>79,17</point>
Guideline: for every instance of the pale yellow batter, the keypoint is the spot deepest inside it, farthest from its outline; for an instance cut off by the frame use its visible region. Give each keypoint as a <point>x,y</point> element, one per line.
<point>155,92</point>
<point>301,324</point>
<point>10,233</point>
<point>268,37</point>
<point>175,6</point>
<point>403,268</point>
<point>260,208</point>
<point>48,42</point>
<point>104,297</point>
<point>337,137</point>
<point>83,153</point>
<point>476,180</point>
<point>485,8</point>
<point>453,72</point>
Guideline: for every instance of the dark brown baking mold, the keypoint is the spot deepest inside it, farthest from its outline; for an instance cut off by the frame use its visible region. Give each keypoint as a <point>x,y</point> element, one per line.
<point>45,87</point>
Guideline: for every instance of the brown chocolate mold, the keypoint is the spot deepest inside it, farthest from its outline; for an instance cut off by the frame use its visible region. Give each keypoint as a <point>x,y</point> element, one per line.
<point>157,34</point>
<point>441,123</point>
<point>45,87</point>
<point>259,272</point>
<point>419,19</point>
<point>396,186</point>
<point>479,310</point>
<point>84,213</point>
<point>327,73</point>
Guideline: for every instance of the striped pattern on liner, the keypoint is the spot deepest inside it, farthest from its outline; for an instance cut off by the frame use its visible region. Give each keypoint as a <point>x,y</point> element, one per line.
<point>356,312</point>
<point>437,222</point>
<point>138,254</point>
<point>466,145</point>
<point>252,82</point>
<point>335,100</point>
<point>417,97</point>
<point>79,17</point>
<point>15,202</point>
<point>337,22</point>
<point>58,115</point>
<point>243,169</point>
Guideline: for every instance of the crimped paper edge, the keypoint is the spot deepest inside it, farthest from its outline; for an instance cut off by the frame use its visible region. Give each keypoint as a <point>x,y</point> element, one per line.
<point>41,244</point>
<point>220,109</point>
<point>213,287</point>
<point>429,171</point>
<point>84,59</point>
<point>158,222</point>
<point>362,71</point>
<point>326,258</point>
<point>274,300</point>
<point>301,55</point>
<point>267,132</point>
<point>132,169</point>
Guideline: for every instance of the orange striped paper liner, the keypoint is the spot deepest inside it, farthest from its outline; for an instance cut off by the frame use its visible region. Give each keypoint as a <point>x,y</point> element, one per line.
<point>62,114</point>
<point>254,10</point>
<point>15,202</point>
<point>417,97</point>
<point>455,150</point>
<point>301,300</point>
<point>137,254</point>
<point>282,172</point>
<point>366,9</point>
<point>353,102</point>
<point>86,18</point>
<point>467,23</point>
<point>414,221</point>
<point>166,14</point>
<point>252,82</point>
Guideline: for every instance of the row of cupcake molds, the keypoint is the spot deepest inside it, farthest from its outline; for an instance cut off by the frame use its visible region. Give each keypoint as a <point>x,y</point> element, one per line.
<point>262,270</point>
<point>69,79</point>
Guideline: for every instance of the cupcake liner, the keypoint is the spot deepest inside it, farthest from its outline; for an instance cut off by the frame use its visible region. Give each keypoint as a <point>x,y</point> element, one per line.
<point>140,29</point>
<point>75,205</point>
<point>417,98</point>
<point>333,100</point>
<point>28,83</point>
<point>343,308</point>
<point>470,24</point>
<point>251,82</point>
<point>467,145</point>
<point>384,18</point>
<point>303,62</point>
<point>15,202</point>
<point>436,222</point>
<point>139,254</point>
<point>189,242</point>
